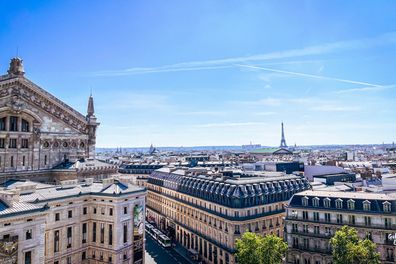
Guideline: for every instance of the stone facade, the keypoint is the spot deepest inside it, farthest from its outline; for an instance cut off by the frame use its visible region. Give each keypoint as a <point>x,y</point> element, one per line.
<point>207,213</point>
<point>313,217</point>
<point>37,130</point>
<point>89,223</point>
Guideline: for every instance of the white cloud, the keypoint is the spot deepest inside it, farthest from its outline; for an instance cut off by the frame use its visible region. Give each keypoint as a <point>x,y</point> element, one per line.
<point>265,113</point>
<point>309,75</point>
<point>335,108</point>
<point>203,113</point>
<point>227,124</point>
<point>388,38</point>
<point>366,89</point>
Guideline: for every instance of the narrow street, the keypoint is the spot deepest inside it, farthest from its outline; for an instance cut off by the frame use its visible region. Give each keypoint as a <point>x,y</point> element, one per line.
<point>156,254</point>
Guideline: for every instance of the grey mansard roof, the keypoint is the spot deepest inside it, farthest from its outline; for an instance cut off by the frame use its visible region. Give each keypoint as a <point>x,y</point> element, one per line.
<point>42,193</point>
<point>251,189</point>
<point>376,200</point>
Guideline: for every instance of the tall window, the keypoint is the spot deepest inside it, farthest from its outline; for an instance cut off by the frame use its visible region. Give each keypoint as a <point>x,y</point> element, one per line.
<point>327,217</point>
<point>12,161</point>
<point>339,218</point>
<point>316,216</point>
<point>326,202</point>
<point>367,220</point>
<point>25,143</point>
<point>13,123</point>
<point>13,143</point>
<point>28,234</point>
<point>305,215</point>
<point>102,233</point>
<point>25,126</point>
<point>56,241</point>
<point>45,159</point>
<point>388,222</point>
<point>28,257</point>
<point>110,234</point>
<point>93,232</point>
<point>69,237</point>
<point>84,233</point>
<point>351,219</point>
<point>23,160</point>
<point>2,124</point>
<point>125,233</point>
<point>2,143</point>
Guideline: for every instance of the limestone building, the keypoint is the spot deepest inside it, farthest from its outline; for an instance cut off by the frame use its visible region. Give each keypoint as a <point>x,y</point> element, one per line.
<point>89,222</point>
<point>41,137</point>
<point>206,211</point>
<point>313,217</point>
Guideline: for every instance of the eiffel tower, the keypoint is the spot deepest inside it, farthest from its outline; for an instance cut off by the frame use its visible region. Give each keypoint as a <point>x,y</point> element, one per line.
<point>283,140</point>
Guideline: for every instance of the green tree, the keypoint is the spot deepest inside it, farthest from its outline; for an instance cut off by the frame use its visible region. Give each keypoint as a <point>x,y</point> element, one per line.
<point>255,249</point>
<point>273,249</point>
<point>349,249</point>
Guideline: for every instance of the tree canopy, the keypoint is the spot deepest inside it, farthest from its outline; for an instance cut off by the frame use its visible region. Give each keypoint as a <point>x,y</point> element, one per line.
<point>349,249</point>
<point>257,249</point>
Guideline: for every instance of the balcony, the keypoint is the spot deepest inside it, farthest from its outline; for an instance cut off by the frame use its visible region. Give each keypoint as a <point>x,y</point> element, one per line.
<point>307,234</point>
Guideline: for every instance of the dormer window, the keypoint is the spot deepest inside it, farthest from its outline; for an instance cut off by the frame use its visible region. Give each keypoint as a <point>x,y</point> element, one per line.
<point>327,202</point>
<point>366,205</point>
<point>305,201</point>
<point>351,204</point>
<point>338,203</point>
<point>387,207</point>
<point>315,202</point>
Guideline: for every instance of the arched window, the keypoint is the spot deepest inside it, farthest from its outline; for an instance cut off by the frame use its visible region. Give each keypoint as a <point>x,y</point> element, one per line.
<point>25,126</point>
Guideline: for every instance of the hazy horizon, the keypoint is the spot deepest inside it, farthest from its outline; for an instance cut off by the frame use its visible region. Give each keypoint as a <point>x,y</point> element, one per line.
<point>181,73</point>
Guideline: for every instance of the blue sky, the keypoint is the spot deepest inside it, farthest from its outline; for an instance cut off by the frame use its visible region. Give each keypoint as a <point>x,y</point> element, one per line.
<point>188,73</point>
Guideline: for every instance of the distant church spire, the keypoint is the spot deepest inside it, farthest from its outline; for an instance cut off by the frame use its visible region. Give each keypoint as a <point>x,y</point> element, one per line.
<point>90,110</point>
<point>283,140</point>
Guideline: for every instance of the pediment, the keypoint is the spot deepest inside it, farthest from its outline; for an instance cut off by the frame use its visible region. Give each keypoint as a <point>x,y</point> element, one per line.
<point>20,90</point>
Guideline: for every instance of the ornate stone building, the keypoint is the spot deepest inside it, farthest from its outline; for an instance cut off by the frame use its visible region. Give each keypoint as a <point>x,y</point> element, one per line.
<point>39,134</point>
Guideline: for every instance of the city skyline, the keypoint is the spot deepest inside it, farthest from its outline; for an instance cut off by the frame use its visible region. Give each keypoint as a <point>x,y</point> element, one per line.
<point>213,73</point>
